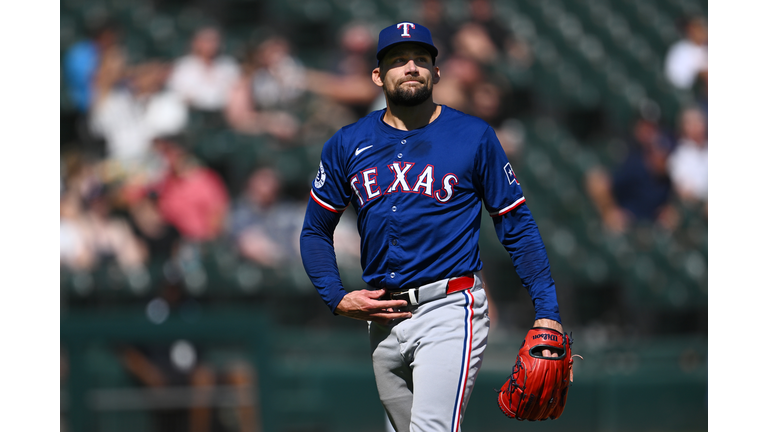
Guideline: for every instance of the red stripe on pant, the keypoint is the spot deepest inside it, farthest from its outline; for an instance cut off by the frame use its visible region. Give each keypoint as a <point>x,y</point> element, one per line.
<point>468,334</point>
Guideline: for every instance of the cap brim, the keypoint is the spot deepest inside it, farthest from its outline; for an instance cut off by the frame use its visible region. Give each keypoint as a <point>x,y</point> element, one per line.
<point>431,49</point>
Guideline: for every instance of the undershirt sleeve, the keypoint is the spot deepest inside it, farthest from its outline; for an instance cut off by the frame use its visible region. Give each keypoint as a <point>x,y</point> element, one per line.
<point>318,254</point>
<point>514,224</point>
<point>519,234</point>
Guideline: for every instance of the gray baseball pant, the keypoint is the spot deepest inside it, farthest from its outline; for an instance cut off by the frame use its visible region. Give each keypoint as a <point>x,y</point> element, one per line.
<point>425,366</point>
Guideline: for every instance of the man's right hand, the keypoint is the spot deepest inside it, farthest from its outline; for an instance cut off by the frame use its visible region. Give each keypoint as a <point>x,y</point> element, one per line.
<point>365,305</point>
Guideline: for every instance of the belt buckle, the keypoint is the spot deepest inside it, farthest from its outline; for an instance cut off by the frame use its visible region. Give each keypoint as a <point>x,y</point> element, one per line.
<point>410,295</point>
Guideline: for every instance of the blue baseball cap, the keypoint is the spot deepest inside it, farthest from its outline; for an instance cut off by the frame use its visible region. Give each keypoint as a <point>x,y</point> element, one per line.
<point>405,32</point>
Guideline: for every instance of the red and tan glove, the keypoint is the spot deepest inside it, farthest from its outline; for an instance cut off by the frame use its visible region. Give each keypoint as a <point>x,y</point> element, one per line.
<point>538,386</point>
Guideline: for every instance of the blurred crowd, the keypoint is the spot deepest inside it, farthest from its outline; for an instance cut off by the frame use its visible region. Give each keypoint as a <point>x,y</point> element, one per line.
<point>138,187</point>
<point>133,188</point>
<point>664,170</point>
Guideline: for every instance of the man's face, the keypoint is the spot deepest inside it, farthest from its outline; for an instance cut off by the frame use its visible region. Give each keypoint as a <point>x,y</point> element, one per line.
<point>407,74</point>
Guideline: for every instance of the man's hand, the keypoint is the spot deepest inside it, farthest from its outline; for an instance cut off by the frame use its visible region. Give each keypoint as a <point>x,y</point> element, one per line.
<point>537,389</point>
<point>552,324</point>
<point>365,305</point>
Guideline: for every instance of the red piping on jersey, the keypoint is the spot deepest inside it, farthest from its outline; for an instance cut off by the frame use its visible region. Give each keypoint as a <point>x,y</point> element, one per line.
<point>508,209</point>
<point>323,204</point>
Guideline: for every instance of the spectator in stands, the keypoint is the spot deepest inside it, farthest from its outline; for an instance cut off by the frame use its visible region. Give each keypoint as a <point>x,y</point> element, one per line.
<point>485,100</point>
<point>130,117</point>
<point>357,44</point>
<point>191,197</point>
<point>686,59</point>
<point>158,239</point>
<point>204,78</point>
<point>504,41</point>
<point>639,188</point>
<point>111,236</point>
<point>265,96</point>
<point>485,40</point>
<point>460,75</point>
<point>689,161</point>
<point>91,235</point>
<point>451,93</point>
<point>432,16</point>
<point>264,224</point>
<point>87,66</point>
<point>277,81</point>
<point>78,177</point>
<point>348,81</point>
<point>75,251</point>
<point>473,41</point>
<point>90,231</point>
<point>84,59</point>
<point>80,174</point>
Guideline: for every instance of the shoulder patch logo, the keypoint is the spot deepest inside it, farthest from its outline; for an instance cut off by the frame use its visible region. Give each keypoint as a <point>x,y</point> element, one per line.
<point>320,177</point>
<point>510,174</point>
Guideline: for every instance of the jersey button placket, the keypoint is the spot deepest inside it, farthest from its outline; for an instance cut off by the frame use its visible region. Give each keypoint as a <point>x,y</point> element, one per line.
<point>393,241</point>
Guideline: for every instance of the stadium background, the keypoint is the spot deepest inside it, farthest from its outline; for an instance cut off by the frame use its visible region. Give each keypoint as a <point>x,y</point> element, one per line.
<point>635,301</point>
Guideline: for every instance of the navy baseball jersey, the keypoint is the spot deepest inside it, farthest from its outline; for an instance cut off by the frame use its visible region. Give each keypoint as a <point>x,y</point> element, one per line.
<point>419,196</point>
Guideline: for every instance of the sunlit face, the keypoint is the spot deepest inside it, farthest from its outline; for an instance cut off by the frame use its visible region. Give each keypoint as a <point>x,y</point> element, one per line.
<point>407,74</point>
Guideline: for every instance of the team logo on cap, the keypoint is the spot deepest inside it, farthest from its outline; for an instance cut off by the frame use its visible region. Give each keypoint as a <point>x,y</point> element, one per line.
<point>406,26</point>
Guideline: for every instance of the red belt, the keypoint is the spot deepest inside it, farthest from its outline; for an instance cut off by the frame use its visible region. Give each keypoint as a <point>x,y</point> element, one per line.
<point>460,283</point>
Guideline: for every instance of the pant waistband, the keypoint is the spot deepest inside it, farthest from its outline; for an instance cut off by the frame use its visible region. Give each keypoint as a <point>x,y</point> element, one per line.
<point>434,290</point>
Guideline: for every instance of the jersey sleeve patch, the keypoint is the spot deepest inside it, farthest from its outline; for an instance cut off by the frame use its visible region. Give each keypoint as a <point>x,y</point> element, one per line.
<point>511,177</point>
<point>509,208</point>
<point>320,177</point>
<point>324,204</point>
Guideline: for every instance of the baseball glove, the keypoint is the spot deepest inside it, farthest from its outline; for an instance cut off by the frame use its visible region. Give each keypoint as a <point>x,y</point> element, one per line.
<point>538,386</point>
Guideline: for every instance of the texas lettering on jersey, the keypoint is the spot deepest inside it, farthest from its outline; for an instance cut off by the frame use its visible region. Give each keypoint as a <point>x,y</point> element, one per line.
<point>442,174</point>
<point>365,184</point>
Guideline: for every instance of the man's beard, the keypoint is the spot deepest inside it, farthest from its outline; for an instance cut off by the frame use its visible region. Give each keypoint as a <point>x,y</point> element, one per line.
<point>406,96</point>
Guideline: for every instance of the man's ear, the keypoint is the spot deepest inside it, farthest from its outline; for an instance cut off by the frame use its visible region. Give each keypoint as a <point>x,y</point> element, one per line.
<point>436,75</point>
<point>377,78</point>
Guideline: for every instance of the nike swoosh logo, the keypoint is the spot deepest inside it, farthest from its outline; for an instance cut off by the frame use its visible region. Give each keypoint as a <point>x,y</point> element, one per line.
<point>360,150</point>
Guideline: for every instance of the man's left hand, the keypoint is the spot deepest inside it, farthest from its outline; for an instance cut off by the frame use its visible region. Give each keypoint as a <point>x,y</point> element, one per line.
<point>552,324</point>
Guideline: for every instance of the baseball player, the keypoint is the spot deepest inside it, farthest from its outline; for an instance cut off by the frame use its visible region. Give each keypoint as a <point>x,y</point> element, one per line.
<point>417,174</point>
